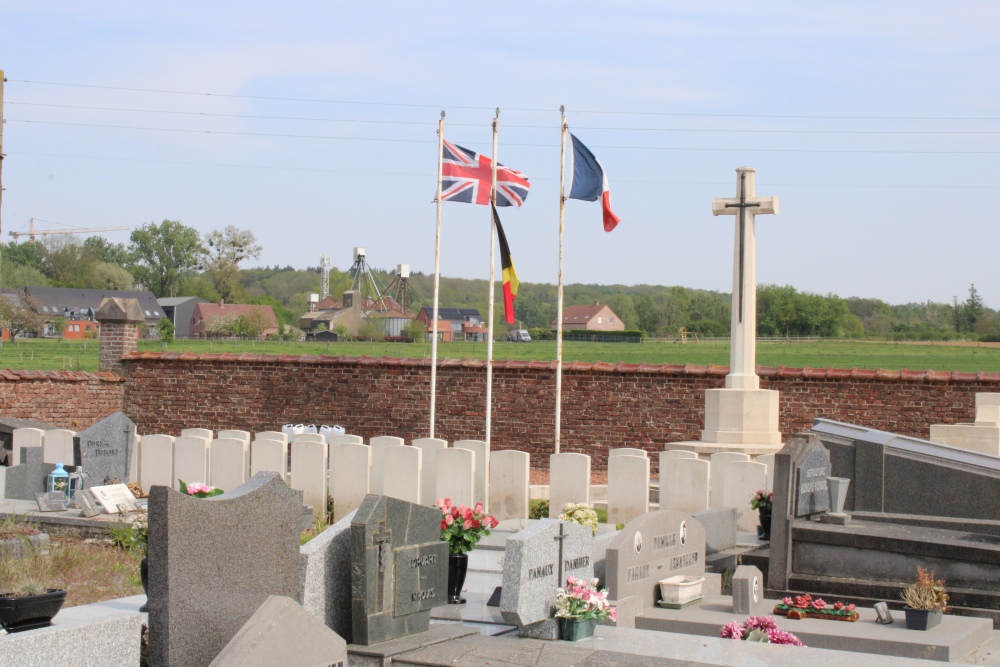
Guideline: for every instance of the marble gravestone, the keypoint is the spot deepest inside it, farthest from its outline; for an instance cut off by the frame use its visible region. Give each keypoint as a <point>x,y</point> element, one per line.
<point>811,490</point>
<point>537,561</point>
<point>105,450</point>
<point>282,633</point>
<point>652,547</point>
<point>399,569</point>
<point>214,561</point>
<point>748,592</point>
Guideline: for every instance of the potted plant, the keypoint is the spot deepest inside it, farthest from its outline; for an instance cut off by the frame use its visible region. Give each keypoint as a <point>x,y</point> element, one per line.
<point>579,606</point>
<point>926,601</point>
<point>30,605</point>
<point>763,501</point>
<point>461,528</point>
<point>580,513</point>
<point>759,629</point>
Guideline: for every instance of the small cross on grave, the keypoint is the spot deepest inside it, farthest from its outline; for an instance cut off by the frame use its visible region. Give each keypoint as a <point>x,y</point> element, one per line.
<point>560,538</point>
<point>382,539</point>
<point>746,206</point>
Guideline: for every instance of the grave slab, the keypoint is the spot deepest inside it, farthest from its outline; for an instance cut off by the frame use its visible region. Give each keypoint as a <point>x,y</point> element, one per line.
<point>207,558</point>
<point>455,476</point>
<point>191,460</point>
<point>350,467</point>
<point>481,470</point>
<point>325,576</point>
<point>282,633</point>
<point>429,448</point>
<point>399,569</point>
<point>748,592</point>
<point>105,450</point>
<point>569,481</point>
<point>740,481</point>
<point>269,455</point>
<point>377,443</point>
<point>206,433</point>
<point>401,473</point>
<point>309,470</point>
<point>628,488</point>
<point>509,477</point>
<point>156,462</point>
<point>684,485</point>
<point>228,463</point>
<point>57,446</point>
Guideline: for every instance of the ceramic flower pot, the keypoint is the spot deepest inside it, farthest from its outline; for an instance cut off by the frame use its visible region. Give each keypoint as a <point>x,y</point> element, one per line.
<point>27,612</point>
<point>458,567</point>
<point>573,630</point>
<point>764,532</point>
<point>921,619</point>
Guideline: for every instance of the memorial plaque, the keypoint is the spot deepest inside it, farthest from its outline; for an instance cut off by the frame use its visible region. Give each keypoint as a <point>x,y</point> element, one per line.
<point>654,546</point>
<point>105,450</point>
<point>53,501</point>
<point>421,582</point>
<point>537,561</point>
<point>112,496</point>
<point>86,501</point>
<point>812,467</point>
<point>399,568</point>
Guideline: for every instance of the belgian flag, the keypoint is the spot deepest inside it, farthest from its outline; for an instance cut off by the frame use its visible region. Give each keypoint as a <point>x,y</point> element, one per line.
<point>510,281</point>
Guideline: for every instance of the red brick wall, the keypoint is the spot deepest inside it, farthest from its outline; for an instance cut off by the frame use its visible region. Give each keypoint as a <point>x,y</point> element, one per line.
<point>69,400</point>
<point>117,340</point>
<point>603,404</point>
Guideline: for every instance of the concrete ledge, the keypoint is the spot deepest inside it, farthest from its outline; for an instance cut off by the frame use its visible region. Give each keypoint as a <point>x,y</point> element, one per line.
<point>378,655</point>
<point>955,638</point>
<point>105,633</point>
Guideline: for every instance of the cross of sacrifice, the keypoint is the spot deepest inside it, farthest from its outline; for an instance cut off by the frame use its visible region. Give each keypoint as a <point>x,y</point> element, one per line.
<point>746,206</point>
<point>381,539</point>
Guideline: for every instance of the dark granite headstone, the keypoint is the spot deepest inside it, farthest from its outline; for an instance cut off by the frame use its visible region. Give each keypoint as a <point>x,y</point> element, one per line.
<point>282,633</point>
<point>214,561</point>
<point>105,450</point>
<point>748,591</point>
<point>399,568</point>
<point>812,467</point>
<point>652,547</point>
<point>537,561</point>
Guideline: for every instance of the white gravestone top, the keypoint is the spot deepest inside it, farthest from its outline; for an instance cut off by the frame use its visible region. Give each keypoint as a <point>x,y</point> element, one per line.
<point>745,206</point>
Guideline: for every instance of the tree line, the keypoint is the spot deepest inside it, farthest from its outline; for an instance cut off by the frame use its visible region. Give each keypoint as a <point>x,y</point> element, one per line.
<point>172,259</point>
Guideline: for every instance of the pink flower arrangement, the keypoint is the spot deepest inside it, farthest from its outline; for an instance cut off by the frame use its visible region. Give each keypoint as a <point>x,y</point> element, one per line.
<point>198,490</point>
<point>759,628</point>
<point>581,600</point>
<point>806,604</point>
<point>462,527</point>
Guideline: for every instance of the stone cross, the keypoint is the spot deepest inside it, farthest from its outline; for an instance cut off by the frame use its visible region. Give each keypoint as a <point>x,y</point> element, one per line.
<point>381,539</point>
<point>745,206</point>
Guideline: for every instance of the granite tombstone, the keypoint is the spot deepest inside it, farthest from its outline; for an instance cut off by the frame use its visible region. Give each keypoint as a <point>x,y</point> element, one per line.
<point>657,545</point>
<point>105,450</point>
<point>537,561</point>
<point>812,467</point>
<point>325,576</point>
<point>399,568</point>
<point>214,561</point>
<point>748,591</point>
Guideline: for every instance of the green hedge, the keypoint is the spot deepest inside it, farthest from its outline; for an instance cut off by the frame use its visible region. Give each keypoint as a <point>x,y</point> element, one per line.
<point>605,336</point>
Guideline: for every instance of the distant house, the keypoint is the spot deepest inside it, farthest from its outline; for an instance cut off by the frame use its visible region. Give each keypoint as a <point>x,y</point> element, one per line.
<point>598,317</point>
<point>204,313</point>
<point>349,314</point>
<point>77,307</point>
<point>456,324</point>
<point>179,310</point>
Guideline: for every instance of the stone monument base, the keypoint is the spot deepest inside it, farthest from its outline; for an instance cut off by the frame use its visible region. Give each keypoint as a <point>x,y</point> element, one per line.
<point>741,417</point>
<point>983,438</point>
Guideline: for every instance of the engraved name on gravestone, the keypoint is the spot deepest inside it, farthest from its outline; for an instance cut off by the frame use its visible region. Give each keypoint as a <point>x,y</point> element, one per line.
<point>537,561</point>
<point>105,450</point>
<point>812,467</point>
<point>113,498</point>
<point>399,568</point>
<point>654,546</point>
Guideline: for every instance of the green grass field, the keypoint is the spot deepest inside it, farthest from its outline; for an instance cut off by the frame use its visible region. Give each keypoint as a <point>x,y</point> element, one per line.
<point>44,354</point>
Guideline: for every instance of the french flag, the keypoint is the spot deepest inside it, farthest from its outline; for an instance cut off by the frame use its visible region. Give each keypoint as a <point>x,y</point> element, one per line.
<point>588,182</point>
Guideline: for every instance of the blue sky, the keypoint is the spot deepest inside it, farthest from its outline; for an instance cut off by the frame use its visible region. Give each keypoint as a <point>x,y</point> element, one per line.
<point>877,125</point>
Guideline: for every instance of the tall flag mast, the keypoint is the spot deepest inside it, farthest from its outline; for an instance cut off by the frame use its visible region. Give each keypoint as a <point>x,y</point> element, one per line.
<point>493,258</point>
<point>559,290</point>
<point>437,277</point>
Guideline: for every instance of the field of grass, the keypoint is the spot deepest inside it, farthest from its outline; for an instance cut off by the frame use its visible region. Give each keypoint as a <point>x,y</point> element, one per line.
<point>38,354</point>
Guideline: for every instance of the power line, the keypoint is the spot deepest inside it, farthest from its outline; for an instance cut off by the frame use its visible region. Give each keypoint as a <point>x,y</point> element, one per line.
<point>536,145</point>
<point>430,173</point>
<point>491,108</point>
<point>431,123</point>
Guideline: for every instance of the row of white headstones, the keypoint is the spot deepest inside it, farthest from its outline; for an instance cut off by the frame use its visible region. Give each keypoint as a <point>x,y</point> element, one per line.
<point>345,468</point>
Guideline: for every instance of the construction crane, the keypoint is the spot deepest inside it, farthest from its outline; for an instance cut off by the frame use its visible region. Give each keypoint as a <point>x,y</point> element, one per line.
<point>32,232</point>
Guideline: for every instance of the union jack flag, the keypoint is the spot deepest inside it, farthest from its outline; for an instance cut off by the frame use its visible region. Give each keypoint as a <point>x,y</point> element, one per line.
<point>467,176</point>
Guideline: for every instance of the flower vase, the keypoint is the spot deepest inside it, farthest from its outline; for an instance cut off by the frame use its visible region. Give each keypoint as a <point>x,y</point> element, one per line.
<point>921,619</point>
<point>575,629</point>
<point>144,577</point>
<point>458,567</point>
<point>764,532</point>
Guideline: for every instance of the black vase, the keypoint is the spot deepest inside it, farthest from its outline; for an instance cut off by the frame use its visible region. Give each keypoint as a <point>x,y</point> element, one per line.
<point>144,577</point>
<point>764,532</point>
<point>458,566</point>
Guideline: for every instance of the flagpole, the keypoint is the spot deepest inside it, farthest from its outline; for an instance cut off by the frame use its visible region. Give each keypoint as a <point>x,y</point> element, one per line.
<point>437,277</point>
<point>492,299</point>
<point>559,289</point>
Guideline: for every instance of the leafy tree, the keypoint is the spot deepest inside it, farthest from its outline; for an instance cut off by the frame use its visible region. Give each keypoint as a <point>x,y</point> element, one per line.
<point>625,309</point>
<point>162,254</point>
<point>100,249</point>
<point>369,330</point>
<point>19,319</point>
<point>221,256</point>
<point>222,325</point>
<point>17,276</point>
<point>252,324</point>
<point>973,307</point>
<point>64,261</point>
<point>103,275</point>
<point>166,329</point>
<point>60,324</point>
<point>415,331</point>
<point>648,318</point>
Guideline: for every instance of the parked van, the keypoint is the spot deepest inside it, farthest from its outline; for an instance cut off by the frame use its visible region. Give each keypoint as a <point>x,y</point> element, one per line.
<point>519,336</point>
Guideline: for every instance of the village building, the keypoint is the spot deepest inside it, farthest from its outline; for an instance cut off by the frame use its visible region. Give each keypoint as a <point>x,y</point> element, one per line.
<point>598,317</point>
<point>205,313</point>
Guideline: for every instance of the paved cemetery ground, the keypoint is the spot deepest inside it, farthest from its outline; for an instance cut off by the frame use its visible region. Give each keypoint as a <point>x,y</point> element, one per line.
<point>53,354</point>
